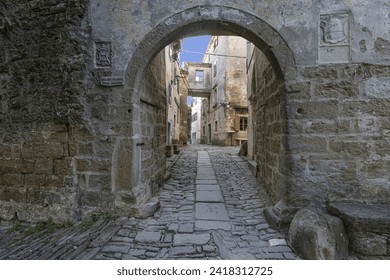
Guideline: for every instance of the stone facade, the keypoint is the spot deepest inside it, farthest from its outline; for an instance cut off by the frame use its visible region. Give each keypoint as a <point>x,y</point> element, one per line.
<point>196,120</point>
<point>42,93</point>
<point>225,113</point>
<point>267,122</point>
<point>172,76</point>
<point>83,103</point>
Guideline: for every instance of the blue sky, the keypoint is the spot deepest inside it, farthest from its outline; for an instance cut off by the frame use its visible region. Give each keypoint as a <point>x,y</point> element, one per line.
<point>194,44</point>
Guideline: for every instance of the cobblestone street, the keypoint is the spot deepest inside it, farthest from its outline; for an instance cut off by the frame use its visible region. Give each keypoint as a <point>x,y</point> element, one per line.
<point>211,208</point>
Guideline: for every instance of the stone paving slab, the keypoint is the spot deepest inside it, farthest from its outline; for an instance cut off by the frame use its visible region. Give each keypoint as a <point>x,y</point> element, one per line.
<point>205,170</point>
<point>147,237</point>
<point>208,188</point>
<point>211,225</point>
<point>206,182</point>
<point>211,211</point>
<point>209,196</point>
<point>194,239</point>
<point>206,177</point>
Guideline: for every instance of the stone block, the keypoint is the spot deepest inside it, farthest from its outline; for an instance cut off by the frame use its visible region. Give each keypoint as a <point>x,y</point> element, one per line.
<point>351,148</point>
<point>27,166</point>
<point>307,144</point>
<point>97,182</point>
<point>116,248</point>
<point>63,166</point>
<point>58,137</point>
<point>43,166</point>
<point>148,237</point>
<point>361,217</point>
<point>91,198</point>
<point>7,210</point>
<point>373,107</point>
<point>276,221</point>
<point>150,207</point>
<point>208,188</point>
<point>209,196</point>
<point>10,165</point>
<point>212,225</point>
<point>123,167</point>
<point>15,179</point>
<point>93,165</point>
<point>193,239</point>
<point>342,89</point>
<point>211,211</point>
<point>34,179</point>
<point>182,250</point>
<point>317,236</point>
<point>55,180</point>
<point>298,90</point>
<point>186,228</point>
<point>313,110</point>
<point>169,150</point>
<point>206,181</point>
<point>369,244</point>
<point>13,194</point>
<point>48,150</point>
<point>85,149</point>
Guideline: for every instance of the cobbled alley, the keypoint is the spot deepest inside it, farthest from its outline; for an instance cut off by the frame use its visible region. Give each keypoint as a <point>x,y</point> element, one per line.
<point>211,208</point>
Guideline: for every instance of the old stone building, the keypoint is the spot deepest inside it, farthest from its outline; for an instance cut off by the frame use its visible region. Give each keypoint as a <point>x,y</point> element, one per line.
<point>174,97</point>
<point>83,107</point>
<point>224,111</point>
<point>199,86</point>
<point>196,120</point>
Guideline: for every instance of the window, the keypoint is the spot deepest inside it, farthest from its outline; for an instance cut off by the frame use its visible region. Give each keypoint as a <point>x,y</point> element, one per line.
<point>169,94</point>
<point>194,117</point>
<point>216,126</point>
<point>175,79</point>
<point>204,130</point>
<point>199,76</point>
<point>215,95</point>
<point>215,43</point>
<point>243,123</point>
<point>215,68</point>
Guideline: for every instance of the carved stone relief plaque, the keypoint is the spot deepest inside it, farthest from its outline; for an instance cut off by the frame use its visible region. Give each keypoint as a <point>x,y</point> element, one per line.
<point>103,54</point>
<point>334,38</point>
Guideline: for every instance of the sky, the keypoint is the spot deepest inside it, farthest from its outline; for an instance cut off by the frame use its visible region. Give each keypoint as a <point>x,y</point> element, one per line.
<point>193,44</point>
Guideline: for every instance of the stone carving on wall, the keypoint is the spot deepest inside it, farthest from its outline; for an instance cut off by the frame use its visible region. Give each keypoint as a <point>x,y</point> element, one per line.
<point>334,29</point>
<point>103,54</point>
<point>334,38</point>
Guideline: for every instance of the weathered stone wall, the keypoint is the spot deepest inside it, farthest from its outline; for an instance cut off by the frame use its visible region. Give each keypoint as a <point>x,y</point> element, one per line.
<point>153,116</point>
<point>338,121</point>
<point>42,57</point>
<point>236,89</point>
<point>185,122</point>
<point>268,123</point>
<point>228,93</point>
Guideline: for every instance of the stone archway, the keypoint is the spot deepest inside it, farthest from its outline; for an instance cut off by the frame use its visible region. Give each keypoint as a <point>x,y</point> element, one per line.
<point>199,20</point>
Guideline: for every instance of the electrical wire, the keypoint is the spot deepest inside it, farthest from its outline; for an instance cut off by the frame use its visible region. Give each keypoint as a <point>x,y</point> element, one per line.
<point>206,53</point>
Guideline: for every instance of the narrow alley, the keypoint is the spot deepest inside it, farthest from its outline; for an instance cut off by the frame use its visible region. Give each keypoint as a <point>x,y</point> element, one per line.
<point>211,208</point>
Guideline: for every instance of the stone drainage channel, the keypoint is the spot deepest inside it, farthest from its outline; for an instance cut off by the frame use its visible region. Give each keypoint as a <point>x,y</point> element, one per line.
<point>211,208</point>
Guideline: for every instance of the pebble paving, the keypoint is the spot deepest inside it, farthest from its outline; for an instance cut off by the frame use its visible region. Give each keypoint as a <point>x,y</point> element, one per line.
<point>211,208</point>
